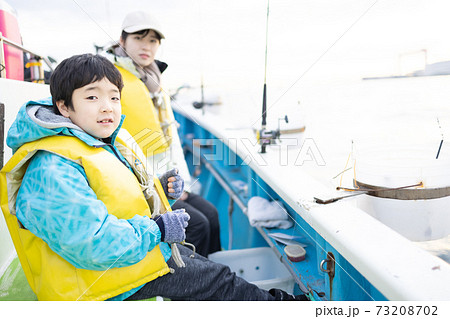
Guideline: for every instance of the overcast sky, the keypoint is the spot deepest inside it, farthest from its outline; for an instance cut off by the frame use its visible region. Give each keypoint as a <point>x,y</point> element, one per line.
<point>224,40</point>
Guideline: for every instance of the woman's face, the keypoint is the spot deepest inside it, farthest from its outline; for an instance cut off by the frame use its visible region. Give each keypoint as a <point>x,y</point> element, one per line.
<point>142,49</point>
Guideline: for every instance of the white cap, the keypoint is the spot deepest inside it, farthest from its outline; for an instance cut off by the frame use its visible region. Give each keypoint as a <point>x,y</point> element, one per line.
<point>139,20</point>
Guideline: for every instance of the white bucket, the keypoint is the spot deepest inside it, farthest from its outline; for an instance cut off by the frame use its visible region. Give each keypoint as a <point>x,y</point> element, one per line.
<point>397,165</point>
<point>258,266</point>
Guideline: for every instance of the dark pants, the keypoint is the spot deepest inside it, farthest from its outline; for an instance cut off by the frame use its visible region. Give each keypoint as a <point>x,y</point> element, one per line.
<point>201,279</point>
<point>203,230</point>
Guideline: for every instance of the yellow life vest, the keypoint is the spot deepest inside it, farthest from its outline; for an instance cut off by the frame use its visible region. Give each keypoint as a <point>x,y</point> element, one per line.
<point>143,121</point>
<point>50,276</point>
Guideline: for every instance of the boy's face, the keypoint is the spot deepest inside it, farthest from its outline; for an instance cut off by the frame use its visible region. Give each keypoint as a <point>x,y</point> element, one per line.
<point>141,49</point>
<point>96,108</point>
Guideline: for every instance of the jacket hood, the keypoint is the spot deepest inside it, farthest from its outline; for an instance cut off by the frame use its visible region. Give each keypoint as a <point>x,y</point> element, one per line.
<point>37,119</point>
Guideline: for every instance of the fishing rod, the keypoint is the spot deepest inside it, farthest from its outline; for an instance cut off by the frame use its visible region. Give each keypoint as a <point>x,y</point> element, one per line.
<point>442,139</point>
<point>264,138</point>
<point>201,104</point>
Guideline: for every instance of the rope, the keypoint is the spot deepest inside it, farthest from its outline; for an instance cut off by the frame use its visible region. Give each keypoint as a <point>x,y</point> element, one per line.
<point>153,192</point>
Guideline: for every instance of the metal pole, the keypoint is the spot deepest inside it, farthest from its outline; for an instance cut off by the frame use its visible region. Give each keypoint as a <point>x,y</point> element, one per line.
<point>2,58</point>
<point>18,46</point>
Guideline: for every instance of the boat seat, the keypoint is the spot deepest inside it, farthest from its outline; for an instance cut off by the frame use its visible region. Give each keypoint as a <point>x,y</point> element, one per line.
<point>14,285</point>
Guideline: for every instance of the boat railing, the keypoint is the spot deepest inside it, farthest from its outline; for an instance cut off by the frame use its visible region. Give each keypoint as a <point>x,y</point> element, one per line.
<point>35,62</point>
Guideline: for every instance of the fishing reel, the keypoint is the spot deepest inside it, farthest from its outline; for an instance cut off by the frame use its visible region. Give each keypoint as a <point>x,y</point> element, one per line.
<point>266,137</point>
<point>203,103</point>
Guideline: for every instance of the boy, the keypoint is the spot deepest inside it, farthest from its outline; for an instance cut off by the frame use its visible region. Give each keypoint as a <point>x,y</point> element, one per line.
<point>78,217</point>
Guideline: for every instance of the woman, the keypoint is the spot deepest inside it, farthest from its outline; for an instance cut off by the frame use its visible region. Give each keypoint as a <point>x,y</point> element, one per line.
<point>153,124</point>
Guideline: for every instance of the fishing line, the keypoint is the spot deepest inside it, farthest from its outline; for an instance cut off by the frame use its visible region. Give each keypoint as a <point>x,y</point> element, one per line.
<point>323,249</point>
<point>172,100</point>
<point>193,119</point>
<point>345,169</point>
<point>263,115</point>
<point>143,179</point>
<point>320,57</point>
<point>137,65</point>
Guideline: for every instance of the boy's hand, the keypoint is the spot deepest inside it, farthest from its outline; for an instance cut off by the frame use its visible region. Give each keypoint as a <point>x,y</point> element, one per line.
<point>174,223</point>
<point>172,183</point>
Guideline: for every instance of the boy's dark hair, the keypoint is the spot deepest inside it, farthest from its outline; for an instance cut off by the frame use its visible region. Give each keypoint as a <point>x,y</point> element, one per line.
<point>78,71</point>
<point>141,32</point>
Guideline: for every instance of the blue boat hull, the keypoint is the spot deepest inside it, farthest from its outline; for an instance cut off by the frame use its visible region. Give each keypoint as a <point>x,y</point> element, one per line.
<point>227,180</point>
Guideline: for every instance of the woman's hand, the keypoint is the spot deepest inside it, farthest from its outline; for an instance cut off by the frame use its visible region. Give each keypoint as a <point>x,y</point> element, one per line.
<point>172,183</point>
